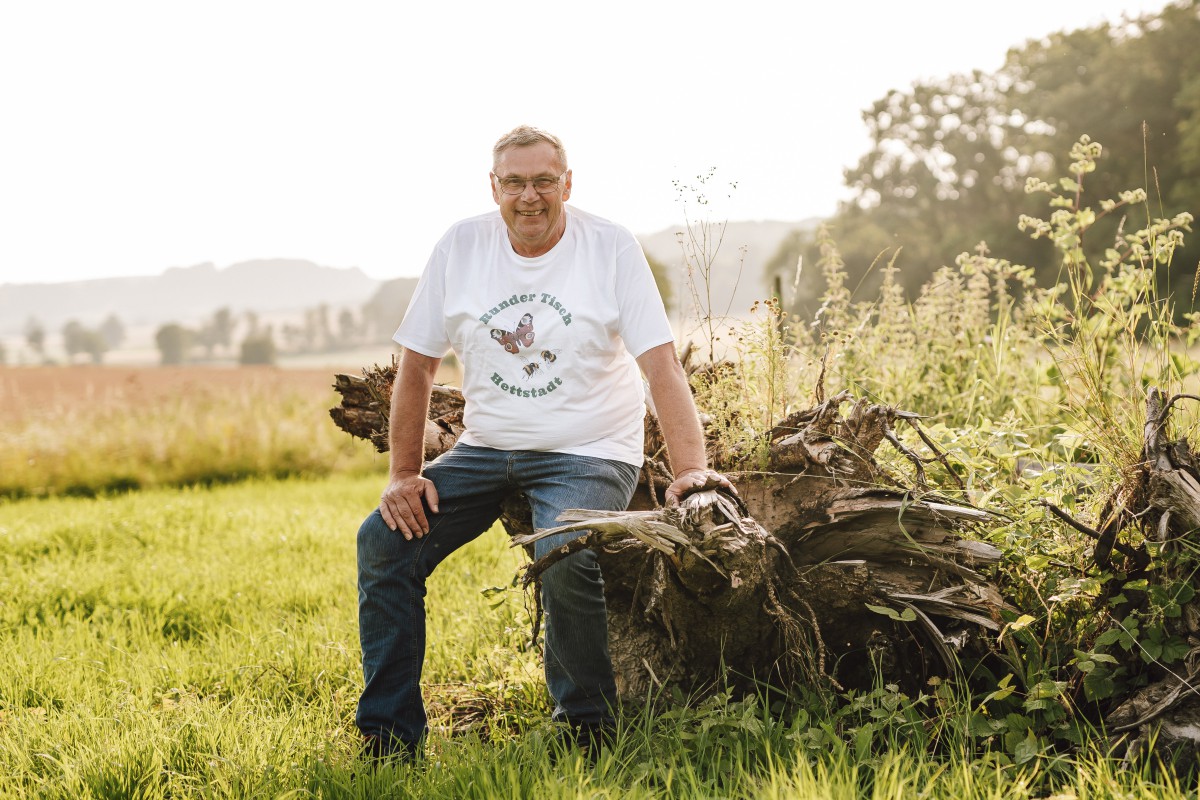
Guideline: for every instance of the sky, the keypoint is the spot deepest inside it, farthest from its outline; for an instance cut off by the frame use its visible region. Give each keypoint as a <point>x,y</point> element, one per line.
<point>139,136</point>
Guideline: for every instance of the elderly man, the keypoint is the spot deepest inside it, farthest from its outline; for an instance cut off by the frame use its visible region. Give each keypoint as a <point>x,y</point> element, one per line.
<point>552,311</point>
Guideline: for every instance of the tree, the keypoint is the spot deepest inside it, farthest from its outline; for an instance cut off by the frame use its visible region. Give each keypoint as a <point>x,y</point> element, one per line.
<point>222,325</point>
<point>252,322</point>
<point>258,348</point>
<point>1134,87</point>
<point>1126,85</point>
<point>348,330</point>
<point>206,337</point>
<point>78,340</point>
<point>217,331</point>
<point>949,157</point>
<point>113,331</point>
<point>81,340</point>
<point>173,341</point>
<point>94,345</point>
<point>293,337</point>
<point>74,336</point>
<point>947,166</point>
<point>324,330</point>
<point>35,337</point>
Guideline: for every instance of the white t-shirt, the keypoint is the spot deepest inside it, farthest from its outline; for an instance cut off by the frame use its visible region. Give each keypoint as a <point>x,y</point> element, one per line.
<point>548,343</point>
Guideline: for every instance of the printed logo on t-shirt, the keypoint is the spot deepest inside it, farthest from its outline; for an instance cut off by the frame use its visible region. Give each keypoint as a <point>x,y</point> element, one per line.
<point>536,364</point>
<point>512,341</point>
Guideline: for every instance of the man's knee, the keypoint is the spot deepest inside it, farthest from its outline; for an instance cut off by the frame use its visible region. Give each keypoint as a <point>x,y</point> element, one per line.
<point>377,543</point>
<point>372,527</point>
<point>577,573</point>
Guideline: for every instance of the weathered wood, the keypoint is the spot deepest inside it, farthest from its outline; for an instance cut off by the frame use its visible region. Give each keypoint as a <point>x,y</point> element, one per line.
<point>1158,501</point>
<point>778,589</point>
<point>366,402</point>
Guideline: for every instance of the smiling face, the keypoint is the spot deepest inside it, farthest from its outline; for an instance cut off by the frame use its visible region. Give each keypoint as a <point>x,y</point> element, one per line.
<point>535,221</point>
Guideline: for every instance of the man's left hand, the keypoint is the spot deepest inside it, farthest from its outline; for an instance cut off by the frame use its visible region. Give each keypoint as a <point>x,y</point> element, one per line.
<point>696,480</point>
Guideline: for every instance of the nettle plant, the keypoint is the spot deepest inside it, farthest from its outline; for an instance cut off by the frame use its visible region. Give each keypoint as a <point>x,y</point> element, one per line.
<point>1038,395</point>
<point>1110,331</point>
<point>1108,335</point>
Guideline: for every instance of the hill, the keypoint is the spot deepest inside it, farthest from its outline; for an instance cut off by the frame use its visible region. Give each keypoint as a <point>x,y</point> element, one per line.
<point>185,294</point>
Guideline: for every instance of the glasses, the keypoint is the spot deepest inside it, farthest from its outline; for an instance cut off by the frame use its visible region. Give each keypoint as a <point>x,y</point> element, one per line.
<point>514,185</point>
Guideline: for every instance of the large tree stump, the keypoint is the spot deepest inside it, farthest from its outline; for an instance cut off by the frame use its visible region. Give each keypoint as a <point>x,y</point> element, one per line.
<point>829,572</point>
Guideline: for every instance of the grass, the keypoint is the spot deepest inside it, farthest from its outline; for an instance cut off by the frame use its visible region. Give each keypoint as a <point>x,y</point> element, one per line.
<point>202,643</point>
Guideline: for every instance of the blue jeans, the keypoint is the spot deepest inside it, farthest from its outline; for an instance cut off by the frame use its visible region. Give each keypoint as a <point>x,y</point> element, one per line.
<point>471,483</point>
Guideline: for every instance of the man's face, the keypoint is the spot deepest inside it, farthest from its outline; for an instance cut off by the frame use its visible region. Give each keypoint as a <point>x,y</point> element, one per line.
<point>535,221</point>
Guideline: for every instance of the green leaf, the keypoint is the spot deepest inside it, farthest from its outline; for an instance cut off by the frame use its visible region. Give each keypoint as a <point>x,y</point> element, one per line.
<point>983,725</point>
<point>1027,749</point>
<point>908,615</point>
<point>1047,689</point>
<point>1037,561</point>
<point>1001,693</point>
<point>1183,593</point>
<point>495,595</point>
<point>1017,722</point>
<point>1098,685</point>
<point>1175,649</point>
<point>862,741</point>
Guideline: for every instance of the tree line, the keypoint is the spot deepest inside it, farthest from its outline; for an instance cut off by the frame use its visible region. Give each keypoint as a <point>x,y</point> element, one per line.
<point>222,335</point>
<point>262,343</point>
<point>78,339</point>
<point>950,158</point>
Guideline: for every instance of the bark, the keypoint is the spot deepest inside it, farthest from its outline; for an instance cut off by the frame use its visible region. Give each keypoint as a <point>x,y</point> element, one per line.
<point>780,586</point>
<point>1156,507</point>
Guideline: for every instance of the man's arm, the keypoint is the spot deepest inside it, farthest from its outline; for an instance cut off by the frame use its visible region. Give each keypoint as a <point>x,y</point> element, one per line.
<point>680,424</point>
<point>400,504</point>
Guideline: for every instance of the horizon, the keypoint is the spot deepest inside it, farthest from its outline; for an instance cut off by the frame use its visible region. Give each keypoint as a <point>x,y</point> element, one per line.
<point>253,260</point>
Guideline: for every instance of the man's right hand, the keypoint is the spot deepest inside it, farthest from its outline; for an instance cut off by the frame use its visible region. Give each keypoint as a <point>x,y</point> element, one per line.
<point>401,508</point>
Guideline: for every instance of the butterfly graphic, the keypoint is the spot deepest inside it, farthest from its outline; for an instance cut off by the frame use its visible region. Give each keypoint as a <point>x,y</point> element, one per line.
<point>513,341</point>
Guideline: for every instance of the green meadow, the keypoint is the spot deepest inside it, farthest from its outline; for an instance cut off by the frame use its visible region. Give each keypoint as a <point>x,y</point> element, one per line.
<point>202,643</point>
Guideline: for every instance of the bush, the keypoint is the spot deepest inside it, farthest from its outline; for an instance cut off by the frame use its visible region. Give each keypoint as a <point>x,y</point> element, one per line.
<point>258,349</point>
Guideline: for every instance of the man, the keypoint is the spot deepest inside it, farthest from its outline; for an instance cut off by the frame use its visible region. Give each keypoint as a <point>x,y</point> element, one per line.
<point>547,307</point>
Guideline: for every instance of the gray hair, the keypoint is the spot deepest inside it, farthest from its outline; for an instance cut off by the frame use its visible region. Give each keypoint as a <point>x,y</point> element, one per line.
<point>525,136</point>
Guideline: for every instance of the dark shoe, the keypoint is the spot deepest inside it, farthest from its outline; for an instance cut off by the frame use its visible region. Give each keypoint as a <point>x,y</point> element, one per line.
<point>381,749</point>
<point>589,738</point>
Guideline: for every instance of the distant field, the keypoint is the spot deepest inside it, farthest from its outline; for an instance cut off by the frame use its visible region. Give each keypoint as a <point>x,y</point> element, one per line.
<point>85,430</point>
<point>26,391</point>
